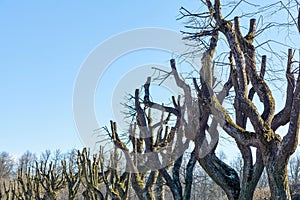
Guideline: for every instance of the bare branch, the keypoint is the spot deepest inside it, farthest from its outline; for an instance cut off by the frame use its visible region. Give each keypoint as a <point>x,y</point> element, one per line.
<point>283,117</point>
<point>290,140</point>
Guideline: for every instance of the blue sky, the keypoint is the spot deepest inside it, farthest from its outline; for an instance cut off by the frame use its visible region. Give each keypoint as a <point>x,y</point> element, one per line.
<point>43,44</point>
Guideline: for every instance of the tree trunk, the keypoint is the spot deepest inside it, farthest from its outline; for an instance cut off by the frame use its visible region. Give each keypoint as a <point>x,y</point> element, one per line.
<point>251,173</point>
<point>278,181</point>
<point>222,174</point>
<point>247,189</point>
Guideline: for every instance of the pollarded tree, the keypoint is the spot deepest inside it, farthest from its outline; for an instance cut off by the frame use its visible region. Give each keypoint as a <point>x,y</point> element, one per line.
<point>197,116</point>
<point>272,150</point>
<point>159,147</point>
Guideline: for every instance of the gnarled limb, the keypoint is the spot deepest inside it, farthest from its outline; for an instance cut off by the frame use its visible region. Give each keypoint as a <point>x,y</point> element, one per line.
<point>283,117</point>
<point>222,174</point>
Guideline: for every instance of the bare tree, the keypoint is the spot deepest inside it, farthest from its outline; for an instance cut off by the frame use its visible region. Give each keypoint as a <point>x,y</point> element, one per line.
<point>6,165</point>
<point>272,151</point>
<point>154,147</point>
<point>27,160</point>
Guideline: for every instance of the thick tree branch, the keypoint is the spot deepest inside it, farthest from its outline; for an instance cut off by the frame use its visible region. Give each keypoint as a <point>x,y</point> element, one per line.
<point>242,136</point>
<point>189,176</point>
<point>151,104</point>
<point>290,140</point>
<point>146,133</point>
<point>222,174</point>
<point>283,117</point>
<point>227,29</point>
<point>260,87</point>
<point>170,183</point>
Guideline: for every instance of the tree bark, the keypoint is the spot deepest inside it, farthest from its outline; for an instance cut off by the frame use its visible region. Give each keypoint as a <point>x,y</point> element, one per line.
<point>278,180</point>
<point>222,174</point>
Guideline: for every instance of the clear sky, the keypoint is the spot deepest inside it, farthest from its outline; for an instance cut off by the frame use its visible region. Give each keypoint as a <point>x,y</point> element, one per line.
<point>42,46</point>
